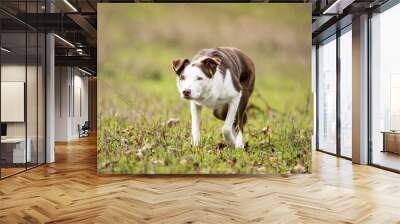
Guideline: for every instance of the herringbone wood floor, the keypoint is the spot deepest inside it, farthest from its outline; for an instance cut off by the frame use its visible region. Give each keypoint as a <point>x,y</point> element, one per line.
<point>70,191</point>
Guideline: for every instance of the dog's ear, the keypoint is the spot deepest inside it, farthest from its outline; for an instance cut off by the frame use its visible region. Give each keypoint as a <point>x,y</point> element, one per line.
<point>179,64</point>
<point>210,65</point>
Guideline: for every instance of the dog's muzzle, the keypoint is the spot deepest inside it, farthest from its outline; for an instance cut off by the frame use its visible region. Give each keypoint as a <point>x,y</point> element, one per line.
<point>187,93</point>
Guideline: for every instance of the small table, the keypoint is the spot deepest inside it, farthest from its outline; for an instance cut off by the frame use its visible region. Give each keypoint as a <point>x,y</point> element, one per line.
<point>13,150</point>
<point>391,141</point>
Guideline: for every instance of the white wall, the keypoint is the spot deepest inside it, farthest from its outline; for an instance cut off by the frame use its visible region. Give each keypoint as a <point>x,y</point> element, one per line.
<point>13,100</point>
<point>33,126</point>
<point>71,87</point>
<point>62,82</point>
<point>12,73</point>
<point>80,89</point>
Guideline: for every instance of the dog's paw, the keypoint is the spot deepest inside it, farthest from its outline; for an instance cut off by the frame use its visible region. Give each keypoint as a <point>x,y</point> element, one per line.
<point>239,145</point>
<point>195,143</point>
<point>239,141</point>
<point>228,136</point>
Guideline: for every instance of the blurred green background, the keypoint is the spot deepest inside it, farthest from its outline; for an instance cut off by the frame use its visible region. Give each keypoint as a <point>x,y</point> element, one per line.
<point>137,42</point>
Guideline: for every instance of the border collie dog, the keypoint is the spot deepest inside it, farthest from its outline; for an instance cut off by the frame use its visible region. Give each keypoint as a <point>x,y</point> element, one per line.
<point>221,79</point>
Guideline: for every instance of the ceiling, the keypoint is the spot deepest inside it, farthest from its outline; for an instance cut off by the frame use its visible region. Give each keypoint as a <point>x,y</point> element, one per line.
<point>331,15</point>
<point>75,22</point>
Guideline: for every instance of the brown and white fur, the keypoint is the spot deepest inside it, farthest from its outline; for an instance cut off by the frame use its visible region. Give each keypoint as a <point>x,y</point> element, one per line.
<point>221,79</point>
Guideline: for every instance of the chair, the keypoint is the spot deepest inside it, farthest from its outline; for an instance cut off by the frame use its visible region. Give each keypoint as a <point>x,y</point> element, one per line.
<point>84,130</point>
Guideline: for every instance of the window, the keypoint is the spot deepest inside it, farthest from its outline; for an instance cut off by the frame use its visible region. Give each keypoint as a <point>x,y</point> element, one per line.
<point>385,89</point>
<point>22,88</point>
<point>346,92</point>
<point>327,95</point>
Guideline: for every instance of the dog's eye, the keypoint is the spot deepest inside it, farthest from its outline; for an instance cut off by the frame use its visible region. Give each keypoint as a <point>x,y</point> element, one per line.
<point>199,78</point>
<point>182,77</point>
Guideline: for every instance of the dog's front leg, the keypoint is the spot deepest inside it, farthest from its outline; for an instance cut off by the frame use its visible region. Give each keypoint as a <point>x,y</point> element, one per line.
<point>196,111</point>
<point>227,130</point>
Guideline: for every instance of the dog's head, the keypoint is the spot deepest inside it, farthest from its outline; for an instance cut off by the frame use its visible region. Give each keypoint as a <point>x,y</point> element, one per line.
<point>194,79</point>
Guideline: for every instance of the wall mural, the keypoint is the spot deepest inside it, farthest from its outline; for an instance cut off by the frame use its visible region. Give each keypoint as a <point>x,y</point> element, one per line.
<point>204,89</point>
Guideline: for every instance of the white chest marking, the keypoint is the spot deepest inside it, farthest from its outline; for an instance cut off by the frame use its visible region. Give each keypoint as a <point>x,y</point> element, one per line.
<point>221,93</point>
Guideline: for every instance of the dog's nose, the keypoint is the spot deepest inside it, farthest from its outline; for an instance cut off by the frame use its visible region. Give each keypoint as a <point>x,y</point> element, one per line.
<point>186,92</point>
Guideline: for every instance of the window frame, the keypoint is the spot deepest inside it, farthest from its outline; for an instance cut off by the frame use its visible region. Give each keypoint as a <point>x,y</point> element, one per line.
<point>340,30</point>
<point>27,29</point>
<point>381,9</point>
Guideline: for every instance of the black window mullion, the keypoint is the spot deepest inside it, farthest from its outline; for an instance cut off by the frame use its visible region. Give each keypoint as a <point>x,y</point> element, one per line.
<point>369,94</point>
<point>44,78</point>
<point>338,76</point>
<point>37,90</point>
<point>1,164</point>
<point>73,92</point>
<point>317,96</point>
<point>45,94</point>
<point>26,87</point>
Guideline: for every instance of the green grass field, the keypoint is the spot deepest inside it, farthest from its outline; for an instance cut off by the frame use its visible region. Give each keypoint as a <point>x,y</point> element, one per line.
<point>143,125</point>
